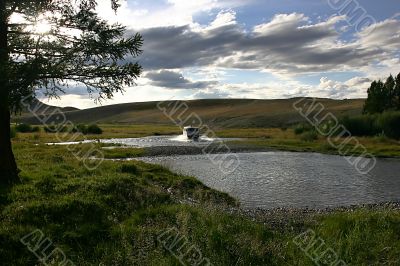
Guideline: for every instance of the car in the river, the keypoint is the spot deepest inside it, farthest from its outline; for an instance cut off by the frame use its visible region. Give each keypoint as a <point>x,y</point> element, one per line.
<point>192,133</point>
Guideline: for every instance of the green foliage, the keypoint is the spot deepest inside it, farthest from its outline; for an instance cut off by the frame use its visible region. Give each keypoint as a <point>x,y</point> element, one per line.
<point>23,128</point>
<point>383,96</point>
<point>129,169</point>
<point>81,128</point>
<point>84,129</point>
<point>301,128</point>
<point>309,136</point>
<point>364,125</point>
<point>95,57</point>
<point>387,123</point>
<point>106,217</point>
<point>94,129</point>
<point>26,128</point>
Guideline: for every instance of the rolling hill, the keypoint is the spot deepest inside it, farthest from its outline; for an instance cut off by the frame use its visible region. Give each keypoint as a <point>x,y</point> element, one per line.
<point>228,113</point>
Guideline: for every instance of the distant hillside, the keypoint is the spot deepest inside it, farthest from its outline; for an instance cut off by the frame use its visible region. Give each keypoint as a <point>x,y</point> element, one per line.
<point>40,108</point>
<point>229,113</point>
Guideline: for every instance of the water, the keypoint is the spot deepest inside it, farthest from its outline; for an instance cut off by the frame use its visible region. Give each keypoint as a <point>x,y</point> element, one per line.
<point>153,141</point>
<point>286,179</point>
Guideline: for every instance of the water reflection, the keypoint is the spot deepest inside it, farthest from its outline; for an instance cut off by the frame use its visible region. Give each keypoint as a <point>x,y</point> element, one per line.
<point>285,179</point>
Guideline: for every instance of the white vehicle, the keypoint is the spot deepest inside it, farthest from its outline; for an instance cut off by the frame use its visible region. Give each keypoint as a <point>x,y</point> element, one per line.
<point>191,132</point>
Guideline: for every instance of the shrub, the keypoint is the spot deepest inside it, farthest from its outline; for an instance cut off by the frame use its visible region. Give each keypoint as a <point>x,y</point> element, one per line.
<point>364,125</point>
<point>94,129</point>
<point>389,124</point>
<point>23,128</point>
<point>80,128</point>
<point>13,132</point>
<point>309,136</point>
<point>301,128</point>
<point>129,169</point>
<point>26,128</point>
<point>36,129</point>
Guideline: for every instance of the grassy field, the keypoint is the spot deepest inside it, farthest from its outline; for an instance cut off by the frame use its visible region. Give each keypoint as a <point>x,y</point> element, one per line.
<point>287,140</point>
<point>253,138</point>
<point>229,113</point>
<point>114,215</point>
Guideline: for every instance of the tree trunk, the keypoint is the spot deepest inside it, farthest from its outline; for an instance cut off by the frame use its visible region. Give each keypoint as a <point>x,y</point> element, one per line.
<point>8,166</point>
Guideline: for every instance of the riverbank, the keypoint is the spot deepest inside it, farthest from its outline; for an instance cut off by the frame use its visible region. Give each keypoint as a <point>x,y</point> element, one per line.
<point>114,214</point>
<point>251,139</point>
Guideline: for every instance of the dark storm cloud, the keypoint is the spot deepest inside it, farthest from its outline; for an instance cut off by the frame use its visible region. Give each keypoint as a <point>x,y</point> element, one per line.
<point>174,80</point>
<point>284,45</point>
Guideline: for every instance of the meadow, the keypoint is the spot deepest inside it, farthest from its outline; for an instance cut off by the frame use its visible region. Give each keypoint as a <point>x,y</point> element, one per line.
<point>250,138</point>
<point>113,215</point>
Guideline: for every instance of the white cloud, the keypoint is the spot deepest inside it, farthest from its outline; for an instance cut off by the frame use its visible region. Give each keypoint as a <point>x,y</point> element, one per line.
<point>187,60</point>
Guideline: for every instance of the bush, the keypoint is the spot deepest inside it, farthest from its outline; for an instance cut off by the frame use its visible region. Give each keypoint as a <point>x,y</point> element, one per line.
<point>23,128</point>
<point>309,136</point>
<point>13,132</point>
<point>129,169</point>
<point>301,128</point>
<point>387,123</point>
<point>26,128</point>
<point>36,129</point>
<point>364,125</point>
<point>80,128</point>
<point>94,129</point>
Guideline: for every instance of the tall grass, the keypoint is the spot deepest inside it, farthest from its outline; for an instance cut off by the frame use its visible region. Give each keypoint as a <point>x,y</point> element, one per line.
<point>387,124</point>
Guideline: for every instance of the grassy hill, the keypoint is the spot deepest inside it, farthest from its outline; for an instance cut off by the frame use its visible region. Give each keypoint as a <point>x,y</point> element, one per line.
<point>226,113</point>
<point>40,108</point>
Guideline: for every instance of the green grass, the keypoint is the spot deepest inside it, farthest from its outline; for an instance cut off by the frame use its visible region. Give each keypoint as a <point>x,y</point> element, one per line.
<point>113,215</point>
<point>287,140</point>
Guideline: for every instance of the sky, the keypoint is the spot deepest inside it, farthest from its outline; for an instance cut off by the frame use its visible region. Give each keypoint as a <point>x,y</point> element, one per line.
<point>262,49</point>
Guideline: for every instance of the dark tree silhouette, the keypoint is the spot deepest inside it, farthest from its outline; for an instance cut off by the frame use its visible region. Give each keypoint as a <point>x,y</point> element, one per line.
<point>383,96</point>
<point>389,93</point>
<point>397,93</point>
<point>376,98</point>
<point>52,44</point>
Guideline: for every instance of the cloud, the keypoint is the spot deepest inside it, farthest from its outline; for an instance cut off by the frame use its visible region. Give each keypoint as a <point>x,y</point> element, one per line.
<point>146,14</point>
<point>175,80</point>
<point>211,94</point>
<point>287,45</point>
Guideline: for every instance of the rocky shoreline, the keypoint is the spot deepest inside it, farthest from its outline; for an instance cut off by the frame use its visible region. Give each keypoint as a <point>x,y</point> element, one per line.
<point>196,150</point>
<point>294,219</point>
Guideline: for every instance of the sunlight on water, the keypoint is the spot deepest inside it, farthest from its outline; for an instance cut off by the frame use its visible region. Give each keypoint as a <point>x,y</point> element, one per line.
<point>152,141</point>
<point>183,138</point>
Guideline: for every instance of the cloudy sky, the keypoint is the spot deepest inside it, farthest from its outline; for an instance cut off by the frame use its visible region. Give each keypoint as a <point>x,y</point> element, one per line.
<point>264,49</point>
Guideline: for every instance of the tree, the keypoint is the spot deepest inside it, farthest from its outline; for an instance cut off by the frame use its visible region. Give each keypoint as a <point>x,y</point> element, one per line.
<point>397,93</point>
<point>383,96</point>
<point>376,98</point>
<point>388,93</point>
<point>51,45</point>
